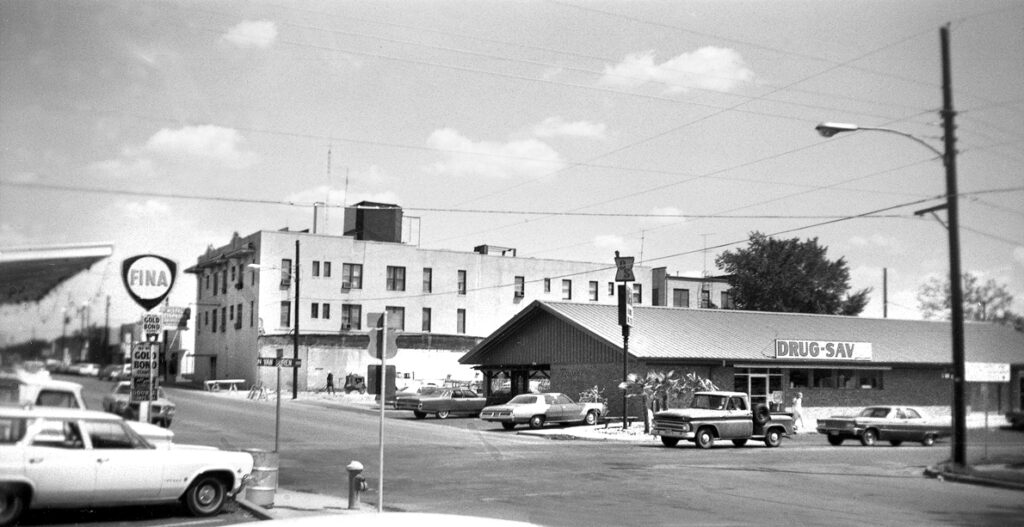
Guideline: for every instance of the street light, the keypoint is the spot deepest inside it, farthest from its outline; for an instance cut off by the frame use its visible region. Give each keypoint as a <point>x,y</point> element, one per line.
<point>948,155</point>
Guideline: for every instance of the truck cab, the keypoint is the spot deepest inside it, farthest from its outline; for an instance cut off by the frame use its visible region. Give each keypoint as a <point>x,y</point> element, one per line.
<point>721,415</point>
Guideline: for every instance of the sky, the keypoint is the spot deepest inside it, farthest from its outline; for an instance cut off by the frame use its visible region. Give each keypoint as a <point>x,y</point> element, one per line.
<point>668,131</point>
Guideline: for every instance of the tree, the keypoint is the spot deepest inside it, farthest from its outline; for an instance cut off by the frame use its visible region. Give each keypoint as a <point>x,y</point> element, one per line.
<point>659,389</point>
<point>988,302</point>
<point>790,276</point>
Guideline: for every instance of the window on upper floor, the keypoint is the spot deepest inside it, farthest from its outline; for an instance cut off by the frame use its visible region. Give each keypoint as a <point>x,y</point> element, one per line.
<point>460,321</point>
<point>638,294</point>
<point>286,314</point>
<point>547,285</point>
<point>396,278</point>
<point>425,327</point>
<point>592,291</point>
<point>351,317</point>
<point>316,268</point>
<point>314,310</point>
<point>216,277</point>
<point>351,276</point>
<point>611,289</point>
<point>566,289</point>
<point>238,316</point>
<point>325,311</point>
<point>428,280</point>
<point>520,287</point>
<point>395,317</point>
<point>462,282</point>
<point>327,269</point>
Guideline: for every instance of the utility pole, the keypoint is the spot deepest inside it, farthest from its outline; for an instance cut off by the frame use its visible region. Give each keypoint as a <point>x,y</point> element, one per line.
<point>959,444</point>
<point>295,341</point>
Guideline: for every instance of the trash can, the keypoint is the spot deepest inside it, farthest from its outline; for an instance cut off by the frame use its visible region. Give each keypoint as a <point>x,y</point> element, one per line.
<point>261,488</point>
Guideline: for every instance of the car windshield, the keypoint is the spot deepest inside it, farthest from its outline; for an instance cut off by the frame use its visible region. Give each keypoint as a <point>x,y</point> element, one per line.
<point>524,399</point>
<point>123,389</point>
<point>876,412</point>
<point>707,401</point>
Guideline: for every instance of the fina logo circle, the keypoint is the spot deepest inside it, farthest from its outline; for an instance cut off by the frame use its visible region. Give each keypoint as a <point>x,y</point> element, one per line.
<point>148,278</point>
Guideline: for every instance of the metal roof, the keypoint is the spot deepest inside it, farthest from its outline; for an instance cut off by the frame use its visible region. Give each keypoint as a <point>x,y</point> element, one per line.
<point>29,274</point>
<point>717,334</point>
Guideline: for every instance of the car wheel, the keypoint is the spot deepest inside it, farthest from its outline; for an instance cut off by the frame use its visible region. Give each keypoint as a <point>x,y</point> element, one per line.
<point>705,438</point>
<point>895,442</point>
<point>12,505</point>
<point>773,438</point>
<point>419,414</point>
<point>205,496</point>
<point>537,421</point>
<point>508,426</point>
<point>835,440</point>
<point>669,441</point>
<point>928,440</point>
<point>869,437</point>
<point>443,414</point>
<point>739,442</point>
<point>591,418</point>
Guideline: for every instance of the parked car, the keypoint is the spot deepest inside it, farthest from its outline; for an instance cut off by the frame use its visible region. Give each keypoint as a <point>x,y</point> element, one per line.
<point>1016,419</point>
<point>118,401</point>
<point>85,368</point>
<point>536,409</point>
<point>48,459</point>
<point>443,403</point>
<point>22,388</point>
<point>894,424</point>
<point>112,371</point>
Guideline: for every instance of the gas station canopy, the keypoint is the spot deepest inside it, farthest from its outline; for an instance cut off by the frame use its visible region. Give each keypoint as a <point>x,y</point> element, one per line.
<point>27,274</point>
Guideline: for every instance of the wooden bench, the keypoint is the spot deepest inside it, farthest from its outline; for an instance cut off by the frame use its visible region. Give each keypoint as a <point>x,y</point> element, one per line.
<point>215,385</point>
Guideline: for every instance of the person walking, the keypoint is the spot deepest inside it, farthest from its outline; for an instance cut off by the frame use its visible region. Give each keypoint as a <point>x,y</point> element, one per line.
<point>330,382</point>
<point>798,411</point>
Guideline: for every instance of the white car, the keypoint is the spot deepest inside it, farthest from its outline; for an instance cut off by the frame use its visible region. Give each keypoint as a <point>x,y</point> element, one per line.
<point>535,409</point>
<point>65,458</point>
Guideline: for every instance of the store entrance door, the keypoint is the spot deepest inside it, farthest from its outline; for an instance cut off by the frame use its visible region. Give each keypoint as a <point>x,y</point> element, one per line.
<point>758,390</point>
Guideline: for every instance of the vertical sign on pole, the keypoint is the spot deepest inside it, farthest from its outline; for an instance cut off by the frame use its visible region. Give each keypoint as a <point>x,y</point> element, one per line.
<point>624,274</point>
<point>378,340</point>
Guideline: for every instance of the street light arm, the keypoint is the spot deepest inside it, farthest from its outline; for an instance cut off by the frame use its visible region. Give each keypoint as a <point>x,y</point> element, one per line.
<point>831,129</point>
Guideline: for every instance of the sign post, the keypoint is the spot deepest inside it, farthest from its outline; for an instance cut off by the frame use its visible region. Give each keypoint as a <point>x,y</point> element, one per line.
<point>383,345</point>
<point>278,362</point>
<point>148,279</point>
<point>624,274</point>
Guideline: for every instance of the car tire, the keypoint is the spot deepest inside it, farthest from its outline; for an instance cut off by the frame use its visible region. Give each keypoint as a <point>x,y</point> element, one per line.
<point>419,414</point>
<point>705,438</point>
<point>536,422</point>
<point>762,414</point>
<point>443,414</point>
<point>835,440</point>
<point>12,505</point>
<point>773,438</point>
<point>205,496</point>
<point>895,442</point>
<point>928,440</point>
<point>669,441</point>
<point>869,437</point>
<point>590,418</point>
<point>508,426</point>
<point>739,442</point>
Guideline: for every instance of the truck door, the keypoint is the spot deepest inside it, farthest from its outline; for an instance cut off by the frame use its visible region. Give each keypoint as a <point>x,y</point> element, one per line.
<point>738,421</point>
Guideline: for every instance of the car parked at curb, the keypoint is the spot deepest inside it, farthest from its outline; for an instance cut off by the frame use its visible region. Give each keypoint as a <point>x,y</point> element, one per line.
<point>68,458</point>
<point>894,424</point>
<point>445,402</point>
<point>118,401</point>
<point>537,409</point>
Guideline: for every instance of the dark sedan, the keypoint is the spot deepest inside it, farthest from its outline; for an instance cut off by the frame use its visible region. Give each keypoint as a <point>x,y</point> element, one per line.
<point>443,403</point>
<point>894,424</point>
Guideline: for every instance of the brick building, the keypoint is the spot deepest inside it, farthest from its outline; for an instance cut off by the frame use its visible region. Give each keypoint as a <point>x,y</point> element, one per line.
<point>838,363</point>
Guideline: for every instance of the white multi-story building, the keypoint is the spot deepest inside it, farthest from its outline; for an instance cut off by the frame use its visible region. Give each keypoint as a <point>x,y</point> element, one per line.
<point>253,292</point>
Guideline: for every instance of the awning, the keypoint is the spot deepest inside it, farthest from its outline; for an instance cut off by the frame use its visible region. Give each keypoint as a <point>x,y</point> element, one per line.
<point>27,274</point>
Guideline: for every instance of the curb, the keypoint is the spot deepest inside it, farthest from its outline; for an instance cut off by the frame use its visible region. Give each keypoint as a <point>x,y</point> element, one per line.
<point>945,475</point>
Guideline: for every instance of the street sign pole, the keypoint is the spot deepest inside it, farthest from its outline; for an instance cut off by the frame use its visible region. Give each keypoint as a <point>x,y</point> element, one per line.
<point>624,274</point>
<point>277,411</point>
<point>383,397</point>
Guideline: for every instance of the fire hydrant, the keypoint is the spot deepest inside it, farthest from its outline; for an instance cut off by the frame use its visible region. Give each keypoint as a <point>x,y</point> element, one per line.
<point>356,484</point>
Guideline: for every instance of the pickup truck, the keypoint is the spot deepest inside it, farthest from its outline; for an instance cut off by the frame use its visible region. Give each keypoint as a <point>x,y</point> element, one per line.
<point>721,415</point>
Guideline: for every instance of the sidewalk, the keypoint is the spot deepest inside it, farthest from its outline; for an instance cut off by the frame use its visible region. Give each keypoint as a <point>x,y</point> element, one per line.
<point>1007,472</point>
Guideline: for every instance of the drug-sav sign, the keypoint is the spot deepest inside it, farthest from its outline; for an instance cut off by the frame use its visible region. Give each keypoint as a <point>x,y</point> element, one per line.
<point>148,278</point>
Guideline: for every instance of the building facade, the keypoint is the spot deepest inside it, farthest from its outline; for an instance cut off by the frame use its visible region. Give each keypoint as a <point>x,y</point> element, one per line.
<point>254,291</point>
<point>707,292</point>
<point>837,363</point>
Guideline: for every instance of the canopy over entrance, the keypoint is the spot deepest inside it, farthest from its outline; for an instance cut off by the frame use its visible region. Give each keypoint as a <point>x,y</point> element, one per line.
<point>27,274</point>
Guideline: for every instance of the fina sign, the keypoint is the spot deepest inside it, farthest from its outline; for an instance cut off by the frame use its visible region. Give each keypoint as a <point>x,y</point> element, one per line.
<point>822,350</point>
<point>148,278</point>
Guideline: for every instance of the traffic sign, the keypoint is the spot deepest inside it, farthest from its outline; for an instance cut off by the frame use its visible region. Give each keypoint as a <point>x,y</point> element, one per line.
<point>381,338</point>
<point>143,359</point>
<point>284,362</point>
<point>625,306</point>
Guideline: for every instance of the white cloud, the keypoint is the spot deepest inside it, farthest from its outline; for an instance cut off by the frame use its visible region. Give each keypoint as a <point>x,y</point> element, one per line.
<point>465,157</point>
<point>666,211</point>
<point>606,241</point>
<point>203,142</point>
<point>709,68</point>
<point>252,34</point>
<point>150,209</point>
<point>334,196</point>
<point>876,240</point>
<point>556,126</point>
<point>129,168</point>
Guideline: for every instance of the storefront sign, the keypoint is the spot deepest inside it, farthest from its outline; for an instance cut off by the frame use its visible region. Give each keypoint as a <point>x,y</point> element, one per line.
<point>822,350</point>
<point>986,372</point>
